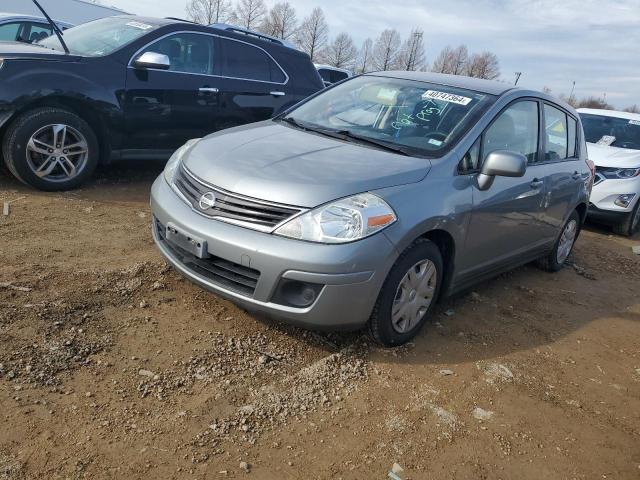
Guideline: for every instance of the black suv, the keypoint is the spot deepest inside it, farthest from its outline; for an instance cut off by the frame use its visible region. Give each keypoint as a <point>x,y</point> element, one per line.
<point>135,87</point>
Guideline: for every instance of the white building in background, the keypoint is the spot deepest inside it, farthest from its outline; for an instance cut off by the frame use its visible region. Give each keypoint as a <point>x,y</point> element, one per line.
<point>70,11</point>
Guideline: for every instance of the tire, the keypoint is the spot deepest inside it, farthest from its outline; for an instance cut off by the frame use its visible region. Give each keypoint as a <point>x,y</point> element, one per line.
<point>26,149</point>
<point>554,262</point>
<point>631,223</point>
<point>381,323</point>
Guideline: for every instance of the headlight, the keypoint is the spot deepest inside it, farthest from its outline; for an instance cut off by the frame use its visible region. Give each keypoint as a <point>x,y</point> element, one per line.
<point>620,172</point>
<point>174,162</point>
<point>341,221</point>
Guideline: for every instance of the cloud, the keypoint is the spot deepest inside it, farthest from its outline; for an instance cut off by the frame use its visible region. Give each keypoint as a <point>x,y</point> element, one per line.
<point>553,42</point>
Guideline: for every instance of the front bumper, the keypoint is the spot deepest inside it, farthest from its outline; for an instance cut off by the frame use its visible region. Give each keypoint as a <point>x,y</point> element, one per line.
<point>351,274</point>
<point>605,193</point>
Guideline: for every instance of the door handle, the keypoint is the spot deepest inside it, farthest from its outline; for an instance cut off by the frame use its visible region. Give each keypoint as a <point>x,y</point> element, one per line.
<point>576,176</point>
<point>208,90</point>
<point>277,94</point>
<point>536,183</point>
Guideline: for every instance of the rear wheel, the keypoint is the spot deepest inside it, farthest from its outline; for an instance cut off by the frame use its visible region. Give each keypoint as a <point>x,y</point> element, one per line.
<point>408,295</point>
<point>563,246</point>
<point>50,149</point>
<point>631,224</point>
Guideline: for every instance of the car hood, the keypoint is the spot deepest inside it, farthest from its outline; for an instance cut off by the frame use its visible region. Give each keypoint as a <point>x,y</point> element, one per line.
<point>28,51</point>
<point>613,156</point>
<point>278,163</point>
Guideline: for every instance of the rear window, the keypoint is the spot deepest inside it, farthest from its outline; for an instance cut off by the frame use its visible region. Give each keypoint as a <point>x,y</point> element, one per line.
<point>244,61</point>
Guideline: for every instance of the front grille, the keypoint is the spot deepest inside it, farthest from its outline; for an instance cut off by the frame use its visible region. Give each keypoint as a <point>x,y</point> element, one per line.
<point>229,275</point>
<point>235,208</point>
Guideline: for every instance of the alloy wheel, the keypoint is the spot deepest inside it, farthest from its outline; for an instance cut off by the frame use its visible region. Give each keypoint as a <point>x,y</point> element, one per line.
<point>567,240</point>
<point>413,296</point>
<point>57,153</point>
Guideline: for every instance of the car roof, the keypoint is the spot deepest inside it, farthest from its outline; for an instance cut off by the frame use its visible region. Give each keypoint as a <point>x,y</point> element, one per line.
<point>476,84</point>
<point>610,113</point>
<point>22,16</point>
<point>329,67</point>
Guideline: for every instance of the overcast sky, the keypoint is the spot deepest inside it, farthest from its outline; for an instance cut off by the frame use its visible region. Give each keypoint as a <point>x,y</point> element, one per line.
<point>552,42</point>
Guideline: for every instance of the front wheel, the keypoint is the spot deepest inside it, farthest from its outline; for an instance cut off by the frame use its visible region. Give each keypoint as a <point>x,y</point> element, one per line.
<point>631,223</point>
<point>50,149</point>
<point>563,246</point>
<point>408,295</point>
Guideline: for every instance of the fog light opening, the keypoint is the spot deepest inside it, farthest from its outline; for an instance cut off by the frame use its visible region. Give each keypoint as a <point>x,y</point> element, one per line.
<point>625,200</point>
<point>296,294</point>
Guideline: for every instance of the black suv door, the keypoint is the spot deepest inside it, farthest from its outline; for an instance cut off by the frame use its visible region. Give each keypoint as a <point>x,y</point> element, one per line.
<point>253,86</point>
<point>165,108</point>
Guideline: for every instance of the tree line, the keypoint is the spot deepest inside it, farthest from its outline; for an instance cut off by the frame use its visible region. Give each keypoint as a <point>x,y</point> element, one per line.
<point>591,102</point>
<point>388,51</point>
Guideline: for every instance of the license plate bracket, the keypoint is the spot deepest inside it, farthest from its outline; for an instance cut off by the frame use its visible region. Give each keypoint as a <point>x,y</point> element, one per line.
<point>187,241</point>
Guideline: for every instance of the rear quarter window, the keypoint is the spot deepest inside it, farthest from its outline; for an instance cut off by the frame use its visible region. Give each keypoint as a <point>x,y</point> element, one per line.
<point>244,61</point>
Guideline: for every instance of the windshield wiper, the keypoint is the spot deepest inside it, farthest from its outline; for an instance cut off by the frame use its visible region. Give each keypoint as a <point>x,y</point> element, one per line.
<point>346,135</point>
<point>54,27</point>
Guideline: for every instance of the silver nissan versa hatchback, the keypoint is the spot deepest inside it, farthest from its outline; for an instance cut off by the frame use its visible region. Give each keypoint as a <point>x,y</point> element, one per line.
<point>367,202</point>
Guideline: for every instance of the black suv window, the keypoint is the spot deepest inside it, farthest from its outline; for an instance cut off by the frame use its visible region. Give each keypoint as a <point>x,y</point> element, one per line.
<point>516,130</point>
<point>39,32</point>
<point>337,76</point>
<point>242,60</point>
<point>187,52</point>
<point>555,127</point>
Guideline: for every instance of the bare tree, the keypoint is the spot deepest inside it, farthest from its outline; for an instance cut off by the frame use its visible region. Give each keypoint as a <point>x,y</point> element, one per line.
<point>207,12</point>
<point>281,22</point>
<point>313,34</point>
<point>632,109</point>
<point>385,50</point>
<point>483,65</point>
<point>250,13</point>
<point>411,56</point>
<point>593,102</point>
<point>451,60</point>
<point>341,53</point>
<point>365,57</point>
<point>546,90</point>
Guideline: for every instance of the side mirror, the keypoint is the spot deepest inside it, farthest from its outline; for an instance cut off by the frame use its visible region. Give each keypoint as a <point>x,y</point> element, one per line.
<point>501,163</point>
<point>158,61</point>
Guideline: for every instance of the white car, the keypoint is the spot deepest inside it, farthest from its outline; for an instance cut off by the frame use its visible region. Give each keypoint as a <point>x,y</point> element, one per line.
<point>331,75</point>
<point>613,144</point>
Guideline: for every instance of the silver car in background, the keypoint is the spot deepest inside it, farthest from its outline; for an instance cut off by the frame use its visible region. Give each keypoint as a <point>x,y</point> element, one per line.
<point>374,198</point>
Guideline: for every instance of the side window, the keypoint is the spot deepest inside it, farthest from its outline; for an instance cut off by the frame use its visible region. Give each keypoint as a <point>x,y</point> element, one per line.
<point>242,60</point>
<point>516,130</point>
<point>187,52</point>
<point>337,76</point>
<point>39,32</point>
<point>325,74</point>
<point>555,126</point>
<point>572,134</point>
<point>9,32</point>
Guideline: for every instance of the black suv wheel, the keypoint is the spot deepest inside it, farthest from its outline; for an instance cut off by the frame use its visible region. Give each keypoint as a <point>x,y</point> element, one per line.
<point>50,149</point>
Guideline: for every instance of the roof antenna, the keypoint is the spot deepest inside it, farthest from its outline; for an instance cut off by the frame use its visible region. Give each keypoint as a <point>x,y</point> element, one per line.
<point>55,27</point>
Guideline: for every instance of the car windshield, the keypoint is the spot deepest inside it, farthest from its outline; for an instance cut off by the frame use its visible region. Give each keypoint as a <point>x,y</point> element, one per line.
<point>611,131</point>
<point>414,117</point>
<point>100,37</point>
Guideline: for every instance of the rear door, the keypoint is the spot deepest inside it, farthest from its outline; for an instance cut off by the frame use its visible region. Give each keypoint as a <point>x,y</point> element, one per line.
<point>506,220</point>
<point>165,108</point>
<point>566,173</point>
<point>253,86</point>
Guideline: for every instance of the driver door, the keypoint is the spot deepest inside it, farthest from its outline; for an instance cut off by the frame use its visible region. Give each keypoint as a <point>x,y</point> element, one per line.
<point>507,219</point>
<point>165,108</point>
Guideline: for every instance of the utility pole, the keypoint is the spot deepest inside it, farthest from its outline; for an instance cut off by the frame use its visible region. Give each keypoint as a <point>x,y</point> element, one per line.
<point>517,77</point>
<point>573,87</point>
<point>413,53</point>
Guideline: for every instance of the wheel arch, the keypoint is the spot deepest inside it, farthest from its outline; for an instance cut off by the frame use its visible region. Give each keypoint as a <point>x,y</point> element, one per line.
<point>79,107</point>
<point>447,246</point>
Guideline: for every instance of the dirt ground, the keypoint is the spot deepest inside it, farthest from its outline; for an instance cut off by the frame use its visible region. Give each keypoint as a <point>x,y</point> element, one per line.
<point>113,366</point>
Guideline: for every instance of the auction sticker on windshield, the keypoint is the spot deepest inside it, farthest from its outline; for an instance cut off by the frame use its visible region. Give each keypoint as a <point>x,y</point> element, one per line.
<point>446,97</point>
<point>141,26</point>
